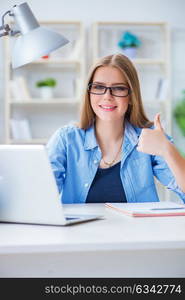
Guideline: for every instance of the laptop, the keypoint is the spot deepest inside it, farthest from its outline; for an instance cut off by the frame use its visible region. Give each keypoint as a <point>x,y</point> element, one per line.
<point>28,190</point>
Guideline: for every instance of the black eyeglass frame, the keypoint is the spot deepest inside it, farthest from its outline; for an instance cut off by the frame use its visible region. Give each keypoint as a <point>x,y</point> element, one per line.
<point>107,88</point>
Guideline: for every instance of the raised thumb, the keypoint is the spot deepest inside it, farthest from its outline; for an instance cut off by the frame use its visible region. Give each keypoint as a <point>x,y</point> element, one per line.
<point>157,122</point>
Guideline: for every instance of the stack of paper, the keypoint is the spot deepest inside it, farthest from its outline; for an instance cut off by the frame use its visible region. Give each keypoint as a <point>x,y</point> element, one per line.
<point>149,209</point>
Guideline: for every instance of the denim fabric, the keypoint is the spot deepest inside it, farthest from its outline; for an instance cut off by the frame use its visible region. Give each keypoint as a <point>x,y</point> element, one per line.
<point>75,155</point>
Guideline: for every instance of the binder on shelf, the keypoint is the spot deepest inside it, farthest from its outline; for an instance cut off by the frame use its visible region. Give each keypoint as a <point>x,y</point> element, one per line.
<point>162,89</point>
<point>76,51</point>
<point>19,89</point>
<point>149,209</point>
<point>20,129</point>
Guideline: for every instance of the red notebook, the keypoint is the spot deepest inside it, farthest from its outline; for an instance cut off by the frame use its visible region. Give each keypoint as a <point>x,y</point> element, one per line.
<point>149,209</point>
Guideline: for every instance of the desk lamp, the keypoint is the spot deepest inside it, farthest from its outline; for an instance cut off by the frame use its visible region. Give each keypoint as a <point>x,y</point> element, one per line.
<point>33,40</point>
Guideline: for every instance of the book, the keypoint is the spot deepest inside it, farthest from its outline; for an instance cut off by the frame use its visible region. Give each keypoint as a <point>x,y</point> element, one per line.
<point>20,129</point>
<point>162,89</point>
<point>75,51</point>
<point>149,209</point>
<point>19,89</point>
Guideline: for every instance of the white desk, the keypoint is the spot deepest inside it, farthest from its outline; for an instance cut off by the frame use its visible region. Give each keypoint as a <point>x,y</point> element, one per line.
<point>118,246</point>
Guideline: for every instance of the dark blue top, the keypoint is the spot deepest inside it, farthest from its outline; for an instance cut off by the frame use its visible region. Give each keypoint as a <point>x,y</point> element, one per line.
<point>107,186</point>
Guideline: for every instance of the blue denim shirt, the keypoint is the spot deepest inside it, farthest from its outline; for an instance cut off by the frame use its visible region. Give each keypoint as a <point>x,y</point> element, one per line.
<point>75,156</point>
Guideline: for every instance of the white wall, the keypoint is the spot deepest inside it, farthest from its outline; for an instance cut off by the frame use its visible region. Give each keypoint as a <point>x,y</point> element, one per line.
<point>171,11</point>
<point>88,11</point>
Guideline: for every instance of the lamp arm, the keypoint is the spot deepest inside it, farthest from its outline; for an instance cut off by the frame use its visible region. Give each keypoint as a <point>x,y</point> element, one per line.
<point>5,27</point>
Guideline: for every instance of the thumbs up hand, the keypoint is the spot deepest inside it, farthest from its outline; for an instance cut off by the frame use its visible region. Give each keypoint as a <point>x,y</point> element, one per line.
<point>153,141</point>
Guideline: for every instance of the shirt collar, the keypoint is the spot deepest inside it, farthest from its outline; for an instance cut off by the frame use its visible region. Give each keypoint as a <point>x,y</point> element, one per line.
<point>131,134</point>
<point>90,139</point>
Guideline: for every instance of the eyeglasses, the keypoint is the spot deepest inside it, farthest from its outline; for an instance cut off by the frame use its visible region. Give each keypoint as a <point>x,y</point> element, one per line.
<point>117,91</point>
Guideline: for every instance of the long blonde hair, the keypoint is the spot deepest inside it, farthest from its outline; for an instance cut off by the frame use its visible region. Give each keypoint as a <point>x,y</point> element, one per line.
<point>135,113</point>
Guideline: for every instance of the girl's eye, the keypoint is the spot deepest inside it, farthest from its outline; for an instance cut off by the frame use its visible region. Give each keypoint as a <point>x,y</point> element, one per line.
<point>98,87</point>
<point>119,88</point>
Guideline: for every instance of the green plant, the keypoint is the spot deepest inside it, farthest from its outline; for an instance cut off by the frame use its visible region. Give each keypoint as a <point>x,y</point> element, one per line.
<point>128,40</point>
<point>179,113</point>
<point>46,82</point>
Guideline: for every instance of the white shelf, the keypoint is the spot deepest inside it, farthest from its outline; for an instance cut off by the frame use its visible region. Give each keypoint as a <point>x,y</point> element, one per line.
<point>31,141</point>
<point>57,61</point>
<point>52,101</point>
<point>154,102</point>
<point>101,23</point>
<point>148,61</point>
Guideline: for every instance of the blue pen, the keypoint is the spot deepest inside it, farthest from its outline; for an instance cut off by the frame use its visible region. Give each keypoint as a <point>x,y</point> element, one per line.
<point>167,208</point>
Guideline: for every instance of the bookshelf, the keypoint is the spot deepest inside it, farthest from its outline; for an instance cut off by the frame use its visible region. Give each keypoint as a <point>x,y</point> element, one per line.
<point>23,100</point>
<point>152,62</point>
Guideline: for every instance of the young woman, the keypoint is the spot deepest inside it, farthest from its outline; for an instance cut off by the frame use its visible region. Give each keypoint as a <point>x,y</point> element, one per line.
<point>115,151</point>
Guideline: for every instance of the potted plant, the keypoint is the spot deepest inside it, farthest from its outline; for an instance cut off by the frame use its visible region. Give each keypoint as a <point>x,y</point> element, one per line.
<point>46,87</point>
<point>129,43</point>
<point>179,113</point>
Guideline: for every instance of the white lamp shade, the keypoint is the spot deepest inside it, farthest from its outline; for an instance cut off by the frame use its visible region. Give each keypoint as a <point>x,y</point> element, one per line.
<point>35,44</point>
<point>35,41</point>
